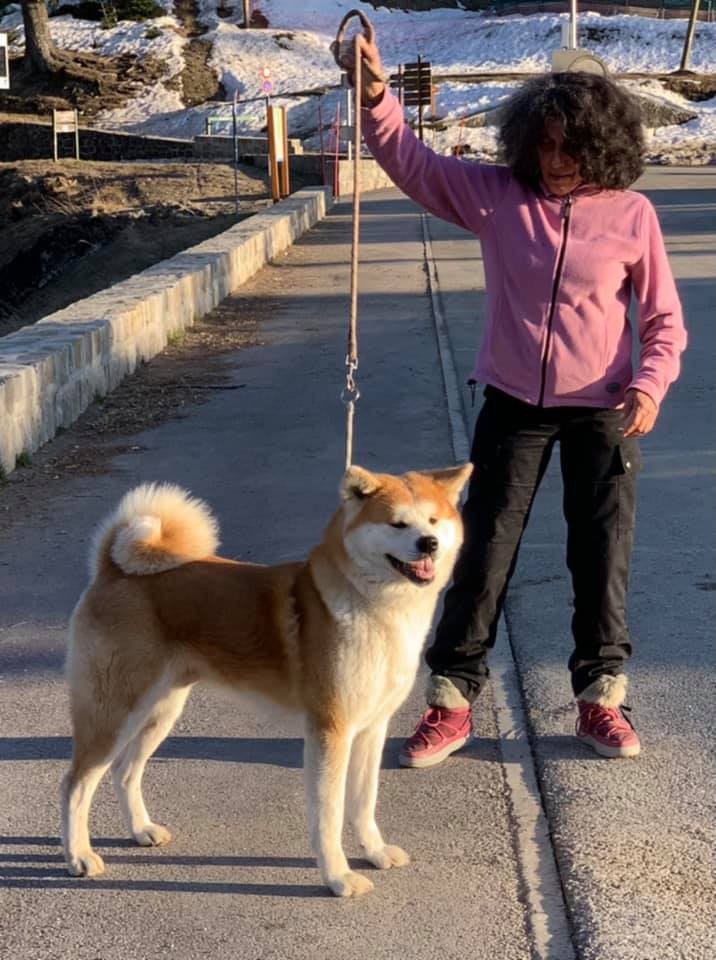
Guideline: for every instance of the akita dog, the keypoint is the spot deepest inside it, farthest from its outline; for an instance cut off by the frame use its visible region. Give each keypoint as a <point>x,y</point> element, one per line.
<point>336,637</point>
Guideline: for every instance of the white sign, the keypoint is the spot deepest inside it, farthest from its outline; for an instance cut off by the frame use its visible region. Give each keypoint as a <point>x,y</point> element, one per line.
<point>277,131</point>
<point>65,121</point>
<point>564,61</point>
<point>4,63</point>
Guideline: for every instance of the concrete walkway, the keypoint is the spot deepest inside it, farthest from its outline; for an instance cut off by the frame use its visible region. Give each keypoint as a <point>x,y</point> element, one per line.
<point>632,839</point>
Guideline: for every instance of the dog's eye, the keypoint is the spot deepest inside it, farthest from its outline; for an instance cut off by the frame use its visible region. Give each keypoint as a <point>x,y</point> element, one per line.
<point>433,521</point>
<point>399,525</point>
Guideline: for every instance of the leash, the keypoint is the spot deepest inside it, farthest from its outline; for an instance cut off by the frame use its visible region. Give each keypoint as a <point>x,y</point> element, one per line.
<point>350,393</point>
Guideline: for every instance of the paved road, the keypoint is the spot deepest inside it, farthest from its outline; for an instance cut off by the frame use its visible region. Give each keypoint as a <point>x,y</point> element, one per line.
<point>632,839</point>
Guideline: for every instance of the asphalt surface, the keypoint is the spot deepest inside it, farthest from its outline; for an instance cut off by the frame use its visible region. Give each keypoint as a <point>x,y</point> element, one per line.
<point>633,840</point>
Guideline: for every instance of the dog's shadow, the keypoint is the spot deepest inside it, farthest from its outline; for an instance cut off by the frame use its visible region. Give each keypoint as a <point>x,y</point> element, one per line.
<point>277,752</point>
<point>46,871</point>
<point>22,868</point>
<point>284,752</point>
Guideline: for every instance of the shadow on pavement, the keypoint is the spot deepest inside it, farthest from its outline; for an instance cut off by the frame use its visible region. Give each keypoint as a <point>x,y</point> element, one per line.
<point>58,880</point>
<point>278,752</point>
<point>16,871</point>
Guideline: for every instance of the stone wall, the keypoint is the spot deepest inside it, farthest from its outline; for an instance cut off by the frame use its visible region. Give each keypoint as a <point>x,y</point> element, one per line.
<point>52,370</point>
<point>311,170</point>
<point>33,141</point>
<point>222,147</point>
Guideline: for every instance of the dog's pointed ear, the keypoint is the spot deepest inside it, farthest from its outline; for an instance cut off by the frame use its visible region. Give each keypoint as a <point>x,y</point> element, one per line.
<point>357,484</point>
<point>452,479</point>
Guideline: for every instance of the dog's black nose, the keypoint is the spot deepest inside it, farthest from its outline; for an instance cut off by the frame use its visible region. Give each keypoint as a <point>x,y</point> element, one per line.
<point>427,544</point>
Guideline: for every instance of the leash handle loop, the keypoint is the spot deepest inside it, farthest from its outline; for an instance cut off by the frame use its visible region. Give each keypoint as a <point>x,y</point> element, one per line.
<point>340,37</point>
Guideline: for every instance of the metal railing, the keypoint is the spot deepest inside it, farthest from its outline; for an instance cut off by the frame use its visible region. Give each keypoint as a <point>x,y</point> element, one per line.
<point>655,8</point>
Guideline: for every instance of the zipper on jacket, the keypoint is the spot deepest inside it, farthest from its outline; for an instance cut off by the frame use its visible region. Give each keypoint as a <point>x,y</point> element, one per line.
<point>555,288</point>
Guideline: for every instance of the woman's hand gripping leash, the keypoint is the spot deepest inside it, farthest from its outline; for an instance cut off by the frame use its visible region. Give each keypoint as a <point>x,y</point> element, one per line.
<point>372,76</point>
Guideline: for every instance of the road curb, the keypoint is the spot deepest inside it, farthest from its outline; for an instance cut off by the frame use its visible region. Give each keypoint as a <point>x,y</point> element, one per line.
<point>51,371</point>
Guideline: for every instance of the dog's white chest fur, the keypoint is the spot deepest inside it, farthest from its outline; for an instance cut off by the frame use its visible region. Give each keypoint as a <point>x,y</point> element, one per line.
<point>378,655</point>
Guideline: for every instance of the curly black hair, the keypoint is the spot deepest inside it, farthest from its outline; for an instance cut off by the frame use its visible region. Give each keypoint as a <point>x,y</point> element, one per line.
<point>602,128</point>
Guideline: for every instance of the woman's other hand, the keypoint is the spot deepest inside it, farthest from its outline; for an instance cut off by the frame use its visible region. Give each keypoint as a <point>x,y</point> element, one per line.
<point>640,413</point>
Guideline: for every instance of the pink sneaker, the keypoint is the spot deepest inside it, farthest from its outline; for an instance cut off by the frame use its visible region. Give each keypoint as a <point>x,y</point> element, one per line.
<point>439,733</point>
<point>607,730</point>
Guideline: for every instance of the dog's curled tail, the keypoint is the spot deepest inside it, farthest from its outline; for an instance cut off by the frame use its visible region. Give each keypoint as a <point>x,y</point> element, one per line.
<point>155,527</point>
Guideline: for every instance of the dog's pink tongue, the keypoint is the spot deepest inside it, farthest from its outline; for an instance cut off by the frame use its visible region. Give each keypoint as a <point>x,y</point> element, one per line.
<point>424,568</point>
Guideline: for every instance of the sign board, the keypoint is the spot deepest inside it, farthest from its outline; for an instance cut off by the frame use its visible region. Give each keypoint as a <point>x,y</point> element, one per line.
<point>4,63</point>
<point>266,81</point>
<point>415,85</point>
<point>65,121</point>
<point>416,82</point>
<point>564,61</point>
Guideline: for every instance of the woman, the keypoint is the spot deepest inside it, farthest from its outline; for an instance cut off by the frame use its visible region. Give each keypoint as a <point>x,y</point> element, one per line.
<point>566,246</point>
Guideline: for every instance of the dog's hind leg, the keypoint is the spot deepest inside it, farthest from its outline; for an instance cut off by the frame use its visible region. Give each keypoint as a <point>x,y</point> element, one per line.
<point>103,724</point>
<point>362,793</point>
<point>128,768</point>
<point>326,752</point>
<point>78,788</point>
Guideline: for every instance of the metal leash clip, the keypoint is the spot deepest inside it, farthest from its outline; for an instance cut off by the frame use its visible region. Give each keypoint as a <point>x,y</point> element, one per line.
<point>350,393</point>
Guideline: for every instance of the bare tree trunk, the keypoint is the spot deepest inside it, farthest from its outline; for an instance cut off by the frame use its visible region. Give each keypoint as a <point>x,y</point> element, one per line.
<point>40,51</point>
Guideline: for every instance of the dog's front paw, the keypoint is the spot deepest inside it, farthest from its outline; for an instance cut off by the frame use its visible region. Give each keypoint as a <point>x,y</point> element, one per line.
<point>88,864</point>
<point>387,856</point>
<point>152,835</point>
<point>350,885</point>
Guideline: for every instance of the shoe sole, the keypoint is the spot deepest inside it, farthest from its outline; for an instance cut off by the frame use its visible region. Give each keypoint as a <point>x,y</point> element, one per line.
<point>406,760</point>
<point>611,752</point>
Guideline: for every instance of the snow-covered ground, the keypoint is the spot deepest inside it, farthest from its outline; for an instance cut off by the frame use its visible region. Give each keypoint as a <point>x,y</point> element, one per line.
<point>295,50</point>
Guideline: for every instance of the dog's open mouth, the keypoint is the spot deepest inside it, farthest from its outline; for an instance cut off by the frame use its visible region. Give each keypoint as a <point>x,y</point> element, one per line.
<point>420,571</point>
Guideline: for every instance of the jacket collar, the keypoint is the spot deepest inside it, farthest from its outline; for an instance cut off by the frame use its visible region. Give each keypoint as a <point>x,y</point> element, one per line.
<point>583,190</point>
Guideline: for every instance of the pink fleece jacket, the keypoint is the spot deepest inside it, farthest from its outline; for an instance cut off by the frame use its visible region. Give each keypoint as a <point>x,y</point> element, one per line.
<point>560,274</point>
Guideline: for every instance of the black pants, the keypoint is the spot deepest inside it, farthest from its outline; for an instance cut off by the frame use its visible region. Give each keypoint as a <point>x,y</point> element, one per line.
<point>511,449</point>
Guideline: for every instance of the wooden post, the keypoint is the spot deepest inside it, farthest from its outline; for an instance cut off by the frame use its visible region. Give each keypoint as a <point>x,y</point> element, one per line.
<point>337,157</point>
<point>323,152</point>
<point>247,13</point>
<point>285,175</point>
<point>420,104</point>
<point>273,160</point>
<point>234,134</point>
<point>689,35</point>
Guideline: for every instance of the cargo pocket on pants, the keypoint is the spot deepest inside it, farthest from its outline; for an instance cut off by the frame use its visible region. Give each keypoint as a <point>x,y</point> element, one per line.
<point>615,492</point>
